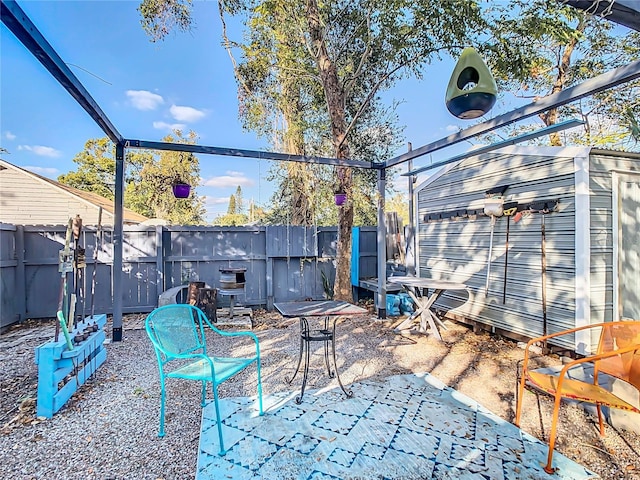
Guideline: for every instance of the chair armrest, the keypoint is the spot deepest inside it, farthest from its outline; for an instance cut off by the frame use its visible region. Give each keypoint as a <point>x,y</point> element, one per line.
<point>234,334</point>
<point>593,359</point>
<point>566,332</point>
<point>556,334</point>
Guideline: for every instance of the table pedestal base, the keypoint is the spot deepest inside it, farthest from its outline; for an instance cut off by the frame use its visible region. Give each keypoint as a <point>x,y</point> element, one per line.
<point>327,336</point>
<point>423,309</point>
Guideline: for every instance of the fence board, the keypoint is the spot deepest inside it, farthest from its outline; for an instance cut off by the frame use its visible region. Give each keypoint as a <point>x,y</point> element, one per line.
<point>283,263</point>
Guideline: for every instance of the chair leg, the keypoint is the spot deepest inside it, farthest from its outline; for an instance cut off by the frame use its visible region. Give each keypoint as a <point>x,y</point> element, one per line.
<point>552,435</point>
<point>520,398</point>
<point>599,408</point>
<point>204,394</point>
<point>260,409</point>
<point>162,401</point>
<point>218,419</point>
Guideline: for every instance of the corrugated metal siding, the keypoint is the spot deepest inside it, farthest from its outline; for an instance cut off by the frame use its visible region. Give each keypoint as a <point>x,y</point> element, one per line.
<point>629,235</point>
<point>601,167</point>
<point>457,249</point>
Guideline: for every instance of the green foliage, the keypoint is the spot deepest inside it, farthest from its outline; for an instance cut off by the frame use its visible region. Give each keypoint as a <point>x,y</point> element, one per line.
<point>231,210</point>
<point>398,203</point>
<point>96,168</point>
<point>148,179</point>
<point>157,178</point>
<point>540,47</point>
<point>235,215</point>
<point>239,202</point>
<point>159,17</point>
<point>327,287</point>
<point>231,220</point>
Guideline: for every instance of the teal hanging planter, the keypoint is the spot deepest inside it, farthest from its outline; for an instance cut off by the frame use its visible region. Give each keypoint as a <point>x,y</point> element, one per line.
<point>472,90</point>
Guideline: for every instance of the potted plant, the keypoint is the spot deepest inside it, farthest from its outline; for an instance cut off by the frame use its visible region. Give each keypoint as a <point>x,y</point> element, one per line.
<point>340,197</point>
<point>180,189</point>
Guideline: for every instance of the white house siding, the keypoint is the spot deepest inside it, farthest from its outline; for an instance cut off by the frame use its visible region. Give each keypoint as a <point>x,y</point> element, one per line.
<point>28,201</point>
<point>456,249</point>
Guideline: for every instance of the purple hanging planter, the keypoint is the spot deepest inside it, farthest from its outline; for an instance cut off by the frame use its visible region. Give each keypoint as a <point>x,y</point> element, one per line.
<point>181,190</point>
<point>340,198</point>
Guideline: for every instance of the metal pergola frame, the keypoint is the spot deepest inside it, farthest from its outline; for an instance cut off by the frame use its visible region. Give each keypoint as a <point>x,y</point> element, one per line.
<point>21,26</point>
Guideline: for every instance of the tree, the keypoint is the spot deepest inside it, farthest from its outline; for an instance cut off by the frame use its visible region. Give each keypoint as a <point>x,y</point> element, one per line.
<point>96,169</point>
<point>238,200</point>
<point>235,211</point>
<point>345,52</point>
<point>540,47</point>
<point>154,194</point>
<point>147,179</point>
<point>231,210</point>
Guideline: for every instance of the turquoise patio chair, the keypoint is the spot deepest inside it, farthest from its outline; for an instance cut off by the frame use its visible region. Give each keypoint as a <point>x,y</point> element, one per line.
<point>178,335</point>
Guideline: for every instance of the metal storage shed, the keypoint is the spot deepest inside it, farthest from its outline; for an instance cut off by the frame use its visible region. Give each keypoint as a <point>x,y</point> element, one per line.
<point>588,245</point>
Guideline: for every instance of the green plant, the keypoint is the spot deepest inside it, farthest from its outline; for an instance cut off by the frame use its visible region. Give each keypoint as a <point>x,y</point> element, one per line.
<point>326,286</point>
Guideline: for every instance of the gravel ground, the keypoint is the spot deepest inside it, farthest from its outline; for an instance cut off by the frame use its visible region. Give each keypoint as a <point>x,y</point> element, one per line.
<point>108,428</point>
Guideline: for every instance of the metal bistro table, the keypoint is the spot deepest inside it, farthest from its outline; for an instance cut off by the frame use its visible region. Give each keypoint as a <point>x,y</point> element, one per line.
<point>415,287</point>
<point>329,311</point>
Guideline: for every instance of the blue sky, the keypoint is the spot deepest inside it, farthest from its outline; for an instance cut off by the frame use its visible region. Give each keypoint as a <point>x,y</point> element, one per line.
<point>146,89</point>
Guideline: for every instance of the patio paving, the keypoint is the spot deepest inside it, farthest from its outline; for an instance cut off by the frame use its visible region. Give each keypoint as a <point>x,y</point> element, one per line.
<point>407,427</point>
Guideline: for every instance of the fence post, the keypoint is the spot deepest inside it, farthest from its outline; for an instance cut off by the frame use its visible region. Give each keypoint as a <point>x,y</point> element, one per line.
<point>21,280</point>
<point>159,261</point>
<point>269,283</point>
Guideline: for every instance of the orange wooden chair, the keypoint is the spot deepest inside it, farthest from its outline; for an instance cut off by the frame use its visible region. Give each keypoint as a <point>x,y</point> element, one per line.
<point>617,355</point>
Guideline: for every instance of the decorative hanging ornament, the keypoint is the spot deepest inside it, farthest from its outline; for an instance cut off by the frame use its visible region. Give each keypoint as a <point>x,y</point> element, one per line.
<point>472,90</point>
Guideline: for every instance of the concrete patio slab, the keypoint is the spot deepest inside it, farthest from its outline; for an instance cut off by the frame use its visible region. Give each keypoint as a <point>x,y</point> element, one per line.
<point>407,427</point>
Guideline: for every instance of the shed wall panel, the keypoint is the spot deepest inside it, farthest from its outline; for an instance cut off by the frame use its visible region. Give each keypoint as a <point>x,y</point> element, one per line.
<point>601,168</point>
<point>457,248</point>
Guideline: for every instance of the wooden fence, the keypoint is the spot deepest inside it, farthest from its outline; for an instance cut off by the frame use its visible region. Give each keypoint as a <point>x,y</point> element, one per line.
<point>283,263</point>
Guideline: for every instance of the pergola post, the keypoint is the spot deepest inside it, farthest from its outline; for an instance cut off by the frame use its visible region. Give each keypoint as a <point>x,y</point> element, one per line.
<point>117,244</point>
<point>381,294</point>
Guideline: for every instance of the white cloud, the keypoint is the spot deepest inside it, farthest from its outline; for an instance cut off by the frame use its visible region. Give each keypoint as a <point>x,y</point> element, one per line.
<point>144,100</point>
<point>216,200</point>
<point>44,171</point>
<point>169,126</point>
<point>186,114</point>
<point>231,179</point>
<point>452,128</point>
<point>40,150</point>
<point>9,136</point>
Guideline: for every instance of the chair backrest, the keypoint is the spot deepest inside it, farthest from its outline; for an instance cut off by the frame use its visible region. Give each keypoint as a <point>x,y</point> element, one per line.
<point>615,336</point>
<point>175,330</point>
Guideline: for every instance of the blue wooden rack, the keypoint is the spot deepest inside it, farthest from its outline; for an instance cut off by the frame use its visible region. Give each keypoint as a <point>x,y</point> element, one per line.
<point>61,371</point>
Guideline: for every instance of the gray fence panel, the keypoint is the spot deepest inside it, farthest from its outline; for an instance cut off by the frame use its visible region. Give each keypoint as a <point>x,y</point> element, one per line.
<point>10,311</point>
<point>42,279</point>
<point>289,241</point>
<point>327,242</point>
<point>156,258</point>
<point>297,279</point>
